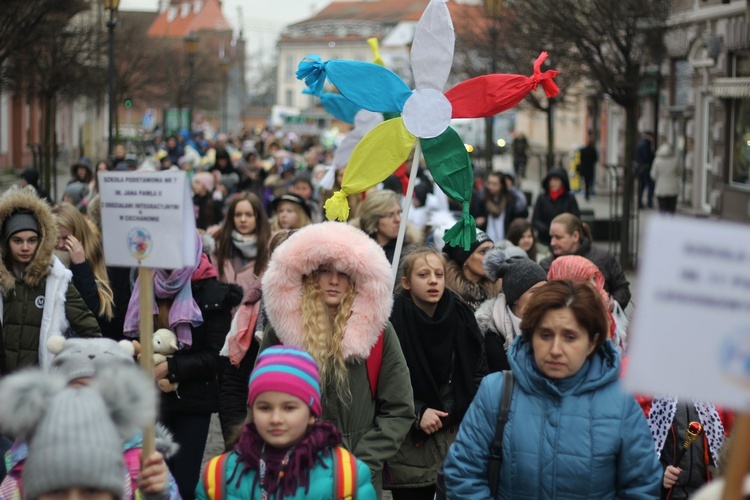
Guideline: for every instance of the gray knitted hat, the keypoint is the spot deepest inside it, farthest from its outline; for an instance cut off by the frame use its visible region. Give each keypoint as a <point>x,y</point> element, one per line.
<point>75,435</point>
<point>518,273</point>
<point>79,358</point>
<point>19,221</point>
<point>77,192</point>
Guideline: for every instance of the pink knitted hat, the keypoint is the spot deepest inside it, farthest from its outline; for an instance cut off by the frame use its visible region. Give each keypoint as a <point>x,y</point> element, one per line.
<point>575,268</point>
<point>207,179</point>
<point>289,370</point>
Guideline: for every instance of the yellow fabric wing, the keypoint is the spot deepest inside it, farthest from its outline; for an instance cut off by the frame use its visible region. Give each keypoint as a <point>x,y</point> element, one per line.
<point>377,156</point>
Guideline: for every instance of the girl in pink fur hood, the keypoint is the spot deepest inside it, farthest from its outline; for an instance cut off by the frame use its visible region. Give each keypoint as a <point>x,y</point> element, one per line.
<point>328,291</point>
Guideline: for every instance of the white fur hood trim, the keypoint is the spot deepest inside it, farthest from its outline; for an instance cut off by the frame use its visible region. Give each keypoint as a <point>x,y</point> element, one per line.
<point>351,251</point>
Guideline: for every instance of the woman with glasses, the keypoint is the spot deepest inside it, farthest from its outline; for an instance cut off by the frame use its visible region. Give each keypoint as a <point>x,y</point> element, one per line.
<point>380,217</point>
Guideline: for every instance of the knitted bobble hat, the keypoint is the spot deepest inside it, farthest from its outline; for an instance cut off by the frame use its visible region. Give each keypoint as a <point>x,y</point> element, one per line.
<point>77,191</point>
<point>519,274</point>
<point>83,358</point>
<point>289,370</point>
<point>75,435</point>
<point>458,254</point>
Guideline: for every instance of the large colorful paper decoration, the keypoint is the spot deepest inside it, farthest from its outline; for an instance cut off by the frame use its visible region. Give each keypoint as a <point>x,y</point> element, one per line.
<point>425,115</point>
<point>343,109</point>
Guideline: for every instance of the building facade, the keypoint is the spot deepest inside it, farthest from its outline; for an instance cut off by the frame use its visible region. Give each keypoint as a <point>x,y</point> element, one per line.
<point>703,105</point>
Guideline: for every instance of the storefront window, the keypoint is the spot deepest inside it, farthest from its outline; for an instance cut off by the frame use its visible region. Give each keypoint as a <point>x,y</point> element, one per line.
<point>740,153</point>
<point>740,139</point>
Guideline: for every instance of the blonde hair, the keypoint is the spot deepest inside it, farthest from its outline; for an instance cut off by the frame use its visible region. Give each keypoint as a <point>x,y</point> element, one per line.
<point>409,262</point>
<point>325,333</point>
<point>86,232</point>
<point>374,207</point>
<point>302,218</point>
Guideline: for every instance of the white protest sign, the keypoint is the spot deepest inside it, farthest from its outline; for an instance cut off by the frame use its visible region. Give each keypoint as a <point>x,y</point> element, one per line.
<point>691,330</point>
<point>147,219</point>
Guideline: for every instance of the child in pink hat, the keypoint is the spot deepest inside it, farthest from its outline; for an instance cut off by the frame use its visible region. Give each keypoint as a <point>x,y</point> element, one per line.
<point>285,451</point>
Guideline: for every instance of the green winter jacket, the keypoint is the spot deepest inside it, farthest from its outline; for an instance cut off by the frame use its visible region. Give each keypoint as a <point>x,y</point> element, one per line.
<point>372,428</point>
<point>22,322</point>
<point>43,303</point>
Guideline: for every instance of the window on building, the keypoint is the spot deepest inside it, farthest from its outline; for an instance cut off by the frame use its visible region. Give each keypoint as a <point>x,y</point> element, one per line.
<point>289,98</point>
<point>682,82</point>
<point>739,141</point>
<point>290,68</point>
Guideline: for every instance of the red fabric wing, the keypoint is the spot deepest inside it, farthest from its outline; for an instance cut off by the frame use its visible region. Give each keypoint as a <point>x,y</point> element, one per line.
<point>489,95</point>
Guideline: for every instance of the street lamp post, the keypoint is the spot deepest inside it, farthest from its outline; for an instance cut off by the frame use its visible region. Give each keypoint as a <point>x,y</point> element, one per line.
<point>493,8</point>
<point>225,63</point>
<point>111,6</point>
<point>191,47</point>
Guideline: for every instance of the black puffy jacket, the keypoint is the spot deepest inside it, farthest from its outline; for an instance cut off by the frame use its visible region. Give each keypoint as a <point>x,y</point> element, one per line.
<point>547,209</point>
<point>197,368</point>
<point>615,281</point>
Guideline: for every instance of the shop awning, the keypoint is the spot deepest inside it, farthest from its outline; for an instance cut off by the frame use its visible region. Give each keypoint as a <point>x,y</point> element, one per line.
<point>732,88</point>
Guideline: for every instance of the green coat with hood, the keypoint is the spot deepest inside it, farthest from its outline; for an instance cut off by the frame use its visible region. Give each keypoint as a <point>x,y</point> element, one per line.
<point>42,303</point>
<point>373,429</point>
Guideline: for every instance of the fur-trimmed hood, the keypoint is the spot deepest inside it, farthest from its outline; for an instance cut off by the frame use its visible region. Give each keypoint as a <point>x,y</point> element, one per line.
<point>351,251</point>
<point>26,199</point>
<point>472,293</point>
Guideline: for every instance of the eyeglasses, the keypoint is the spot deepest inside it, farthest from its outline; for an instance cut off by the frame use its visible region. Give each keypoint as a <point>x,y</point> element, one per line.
<point>391,215</point>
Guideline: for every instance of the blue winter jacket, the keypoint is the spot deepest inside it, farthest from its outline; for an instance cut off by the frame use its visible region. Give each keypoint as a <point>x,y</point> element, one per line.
<point>580,437</point>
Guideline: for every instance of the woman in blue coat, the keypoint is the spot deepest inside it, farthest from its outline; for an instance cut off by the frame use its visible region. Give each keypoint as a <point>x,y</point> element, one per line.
<point>571,431</point>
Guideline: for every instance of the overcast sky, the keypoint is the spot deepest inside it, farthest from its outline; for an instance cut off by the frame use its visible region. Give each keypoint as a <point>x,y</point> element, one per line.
<point>262,19</point>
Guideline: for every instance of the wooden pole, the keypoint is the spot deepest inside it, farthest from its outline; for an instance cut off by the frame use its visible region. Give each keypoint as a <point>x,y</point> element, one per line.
<point>146,328</point>
<point>405,214</point>
<point>739,460</point>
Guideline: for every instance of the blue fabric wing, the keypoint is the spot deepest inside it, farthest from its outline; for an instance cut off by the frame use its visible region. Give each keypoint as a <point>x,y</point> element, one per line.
<point>368,85</point>
<point>339,106</point>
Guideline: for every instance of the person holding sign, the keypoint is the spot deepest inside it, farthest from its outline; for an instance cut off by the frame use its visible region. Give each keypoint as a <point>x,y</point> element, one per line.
<point>571,431</point>
<point>194,305</point>
<point>328,290</point>
<point>38,300</point>
<point>81,362</point>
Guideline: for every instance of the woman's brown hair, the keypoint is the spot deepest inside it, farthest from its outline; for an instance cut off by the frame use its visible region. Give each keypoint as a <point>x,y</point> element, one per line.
<point>581,298</point>
<point>262,233</point>
<point>571,223</point>
<point>515,233</point>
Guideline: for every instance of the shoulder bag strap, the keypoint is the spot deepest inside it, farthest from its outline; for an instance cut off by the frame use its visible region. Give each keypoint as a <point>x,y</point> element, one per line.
<point>496,448</point>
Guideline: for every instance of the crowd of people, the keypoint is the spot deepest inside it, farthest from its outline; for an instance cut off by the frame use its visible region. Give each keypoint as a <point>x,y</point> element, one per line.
<point>491,371</point>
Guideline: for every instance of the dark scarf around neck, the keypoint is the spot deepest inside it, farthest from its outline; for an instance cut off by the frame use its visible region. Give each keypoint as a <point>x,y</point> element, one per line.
<point>439,349</point>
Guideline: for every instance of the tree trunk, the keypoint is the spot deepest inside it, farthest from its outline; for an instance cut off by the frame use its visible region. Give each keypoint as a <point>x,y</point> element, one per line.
<point>550,134</point>
<point>48,118</point>
<point>628,189</point>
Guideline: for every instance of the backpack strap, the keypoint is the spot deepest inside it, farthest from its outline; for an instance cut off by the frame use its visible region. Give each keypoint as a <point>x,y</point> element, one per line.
<point>373,362</point>
<point>496,448</point>
<point>344,474</point>
<point>214,477</point>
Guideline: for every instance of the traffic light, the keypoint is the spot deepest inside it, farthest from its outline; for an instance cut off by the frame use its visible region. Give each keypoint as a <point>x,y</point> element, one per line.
<point>128,103</point>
